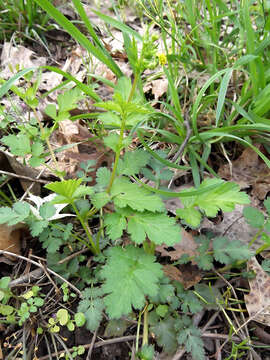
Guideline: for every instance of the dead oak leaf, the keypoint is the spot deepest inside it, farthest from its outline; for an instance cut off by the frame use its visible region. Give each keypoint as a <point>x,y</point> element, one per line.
<point>258,299</point>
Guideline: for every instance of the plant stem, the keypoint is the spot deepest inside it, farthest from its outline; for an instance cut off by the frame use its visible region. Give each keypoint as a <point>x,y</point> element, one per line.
<point>145,326</point>
<point>122,130</point>
<point>48,143</point>
<point>138,332</point>
<point>132,91</point>
<point>92,245</point>
<point>117,156</point>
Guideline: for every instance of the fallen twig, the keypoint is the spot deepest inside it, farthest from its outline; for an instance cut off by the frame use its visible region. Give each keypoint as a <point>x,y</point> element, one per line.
<point>4,252</point>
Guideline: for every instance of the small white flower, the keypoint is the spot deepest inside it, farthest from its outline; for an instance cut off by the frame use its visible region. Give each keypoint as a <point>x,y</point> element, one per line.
<point>38,201</point>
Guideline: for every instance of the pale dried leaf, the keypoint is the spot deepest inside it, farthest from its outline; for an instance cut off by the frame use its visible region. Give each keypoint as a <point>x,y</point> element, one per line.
<point>258,299</point>
<point>159,87</point>
<point>12,56</point>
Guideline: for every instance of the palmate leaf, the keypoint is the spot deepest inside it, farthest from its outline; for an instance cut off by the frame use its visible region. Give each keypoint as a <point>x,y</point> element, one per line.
<point>115,225</point>
<point>165,333</point>
<point>253,217</point>
<point>132,162</point>
<point>190,215</point>
<point>69,190</point>
<point>19,144</point>
<point>222,197</point>
<point>92,310</point>
<point>18,213</point>
<point>190,337</point>
<point>159,228</point>
<point>130,274</point>
<point>227,252</point>
<point>103,176</point>
<point>125,193</point>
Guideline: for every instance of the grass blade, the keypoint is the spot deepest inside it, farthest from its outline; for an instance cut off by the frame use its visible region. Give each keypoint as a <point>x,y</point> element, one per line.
<point>118,25</point>
<point>222,93</point>
<point>78,36</point>
<point>8,84</point>
<point>85,88</point>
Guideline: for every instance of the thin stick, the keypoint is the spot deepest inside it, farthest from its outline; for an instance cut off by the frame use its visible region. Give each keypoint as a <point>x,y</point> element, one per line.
<point>92,346</point>
<point>28,277</point>
<point>4,252</point>
<point>184,143</point>
<point>23,177</point>
<point>98,344</point>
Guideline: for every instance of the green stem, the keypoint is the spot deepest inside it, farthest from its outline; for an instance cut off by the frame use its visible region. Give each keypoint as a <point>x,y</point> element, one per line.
<point>72,234</point>
<point>48,144</point>
<point>149,247</point>
<point>122,130</point>
<point>117,156</point>
<point>92,245</point>
<point>255,237</point>
<point>132,91</point>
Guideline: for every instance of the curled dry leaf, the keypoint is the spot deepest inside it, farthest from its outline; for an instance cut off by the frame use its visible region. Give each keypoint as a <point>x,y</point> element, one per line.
<point>258,299</point>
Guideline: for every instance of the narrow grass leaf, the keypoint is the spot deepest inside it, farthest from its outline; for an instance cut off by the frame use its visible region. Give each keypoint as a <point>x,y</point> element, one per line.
<point>8,84</point>
<point>118,25</point>
<point>85,88</point>
<point>244,60</point>
<point>78,36</point>
<point>195,109</point>
<point>222,93</point>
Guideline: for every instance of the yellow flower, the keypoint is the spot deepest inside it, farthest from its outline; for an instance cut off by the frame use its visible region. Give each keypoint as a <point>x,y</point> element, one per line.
<point>162,58</point>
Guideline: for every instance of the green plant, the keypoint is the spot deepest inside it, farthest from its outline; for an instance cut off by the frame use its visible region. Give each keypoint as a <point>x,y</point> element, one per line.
<point>63,318</point>
<point>138,210</point>
<point>29,303</point>
<point>257,219</point>
<point>24,18</point>
<point>76,350</point>
<point>121,204</point>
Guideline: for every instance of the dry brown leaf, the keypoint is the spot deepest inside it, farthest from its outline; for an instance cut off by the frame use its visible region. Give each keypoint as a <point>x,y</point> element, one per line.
<point>10,239</point>
<point>249,170</point>
<point>258,299</point>
<point>188,275</point>
<point>187,245</point>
